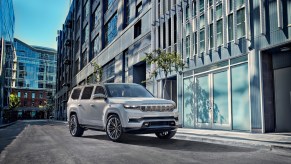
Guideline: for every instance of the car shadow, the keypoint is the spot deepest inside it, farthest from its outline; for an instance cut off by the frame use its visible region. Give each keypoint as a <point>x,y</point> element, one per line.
<point>172,144</point>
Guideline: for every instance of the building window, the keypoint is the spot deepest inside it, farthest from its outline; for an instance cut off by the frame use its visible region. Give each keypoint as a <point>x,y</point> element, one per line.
<point>77,68</point>
<point>202,40</point>
<point>240,23</point>
<point>230,5</point>
<point>219,32</point>
<point>175,29</point>
<point>211,35</point>
<point>201,5</point>
<point>188,46</point>
<point>138,9</point>
<point>169,33</point>
<point>77,45</point>
<point>96,46</point>
<point>137,29</point>
<point>84,58</point>
<point>195,42</point>
<point>107,4</point>
<point>202,21</point>
<point>86,10</point>
<point>25,95</point>
<point>164,35</point>
<point>111,29</point>
<point>194,8</point>
<point>127,13</point>
<point>33,95</point>
<point>85,33</point>
<point>96,17</point>
<point>239,3</point>
<point>78,25</point>
<point>108,71</point>
<point>187,12</point>
<point>18,94</point>
<point>230,27</point>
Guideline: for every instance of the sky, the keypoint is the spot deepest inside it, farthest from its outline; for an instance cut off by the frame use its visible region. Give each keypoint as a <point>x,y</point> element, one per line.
<point>37,21</point>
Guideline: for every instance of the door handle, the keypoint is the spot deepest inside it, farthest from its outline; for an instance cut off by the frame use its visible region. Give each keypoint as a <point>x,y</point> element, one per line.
<point>92,105</point>
<point>79,104</point>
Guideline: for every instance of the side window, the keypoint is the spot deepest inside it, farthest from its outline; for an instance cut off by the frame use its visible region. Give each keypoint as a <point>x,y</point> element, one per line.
<point>99,90</point>
<point>76,93</point>
<point>87,92</point>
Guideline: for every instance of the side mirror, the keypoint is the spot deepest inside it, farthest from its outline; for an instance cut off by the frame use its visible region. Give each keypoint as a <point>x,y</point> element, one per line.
<point>99,96</point>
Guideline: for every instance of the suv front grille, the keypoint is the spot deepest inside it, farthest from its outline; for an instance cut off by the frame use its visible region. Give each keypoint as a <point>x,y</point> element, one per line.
<point>157,108</point>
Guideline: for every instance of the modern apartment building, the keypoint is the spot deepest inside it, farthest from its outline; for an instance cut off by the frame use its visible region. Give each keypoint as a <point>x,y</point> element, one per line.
<point>237,55</point>
<point>6,49</point>
<point>33,78</point>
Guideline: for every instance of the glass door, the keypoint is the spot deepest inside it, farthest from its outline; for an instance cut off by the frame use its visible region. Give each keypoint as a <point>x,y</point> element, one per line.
<point>212,100</point>
<point>203,104</point>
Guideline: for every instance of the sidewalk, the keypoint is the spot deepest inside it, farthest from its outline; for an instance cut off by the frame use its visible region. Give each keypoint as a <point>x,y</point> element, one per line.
<point>270,141</point>
<point>5,125</point>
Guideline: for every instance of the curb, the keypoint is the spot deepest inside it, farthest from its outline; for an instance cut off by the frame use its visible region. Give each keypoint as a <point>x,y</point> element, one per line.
<point>232,142</point>
<point>5,125</point>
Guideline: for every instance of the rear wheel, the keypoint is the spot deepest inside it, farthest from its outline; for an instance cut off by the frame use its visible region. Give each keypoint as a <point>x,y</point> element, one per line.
<point>75,129</point>
<point>114,128</point>
<point>165,134</point>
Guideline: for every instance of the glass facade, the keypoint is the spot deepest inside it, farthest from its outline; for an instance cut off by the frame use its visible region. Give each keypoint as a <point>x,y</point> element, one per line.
<point>7,20</point>
<point>111,29</point>
<point>35,67</point>
<point>219,96</point>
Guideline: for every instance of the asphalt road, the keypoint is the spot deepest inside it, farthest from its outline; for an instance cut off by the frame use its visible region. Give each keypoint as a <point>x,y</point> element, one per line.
<point>50,142</point>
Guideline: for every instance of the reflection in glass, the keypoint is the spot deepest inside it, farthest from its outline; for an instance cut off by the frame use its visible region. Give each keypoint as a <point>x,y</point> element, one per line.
<point>202,96</point>
<point>220,98</point>
<point>240,97</point>
<point>188,102</point>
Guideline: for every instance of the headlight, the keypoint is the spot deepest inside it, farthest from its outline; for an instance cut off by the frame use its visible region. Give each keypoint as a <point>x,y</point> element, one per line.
<point>130,106</point>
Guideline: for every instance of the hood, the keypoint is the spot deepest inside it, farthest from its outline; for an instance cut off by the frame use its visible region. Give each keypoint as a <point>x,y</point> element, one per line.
<point>139,101</point>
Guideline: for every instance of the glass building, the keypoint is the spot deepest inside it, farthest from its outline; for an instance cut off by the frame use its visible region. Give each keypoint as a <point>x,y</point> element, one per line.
<point>237,56</point>
<point>7,21</point>
<point>33,76</point>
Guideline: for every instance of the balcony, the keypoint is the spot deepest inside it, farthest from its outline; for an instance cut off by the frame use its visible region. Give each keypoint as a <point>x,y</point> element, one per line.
<point>69,24</point>
<point>67,61</point>
<point>66,85</point>
<point>68,42</point>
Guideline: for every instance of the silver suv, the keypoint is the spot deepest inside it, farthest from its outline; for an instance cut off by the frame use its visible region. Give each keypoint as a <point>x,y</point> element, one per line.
<point>118,109</point>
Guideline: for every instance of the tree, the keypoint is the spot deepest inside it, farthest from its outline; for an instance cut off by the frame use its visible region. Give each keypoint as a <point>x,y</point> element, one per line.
<point>165,62</point>
<point>14,101</point>
<point>98,72</point>
<point>49,105</point>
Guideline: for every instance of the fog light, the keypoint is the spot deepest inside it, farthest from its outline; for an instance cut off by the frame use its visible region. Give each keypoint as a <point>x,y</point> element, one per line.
<point>146,124</point>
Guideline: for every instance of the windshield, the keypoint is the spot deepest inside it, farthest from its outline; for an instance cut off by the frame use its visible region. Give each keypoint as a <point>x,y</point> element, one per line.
<point>127,90</point>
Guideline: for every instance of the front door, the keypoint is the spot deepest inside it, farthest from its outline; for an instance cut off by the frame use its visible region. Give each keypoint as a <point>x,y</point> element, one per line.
<point>212,100</point>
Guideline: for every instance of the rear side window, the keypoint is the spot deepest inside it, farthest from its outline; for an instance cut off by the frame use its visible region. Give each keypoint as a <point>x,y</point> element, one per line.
<point>99,90</point>
<point>87,92</point>
<point>76,93</point>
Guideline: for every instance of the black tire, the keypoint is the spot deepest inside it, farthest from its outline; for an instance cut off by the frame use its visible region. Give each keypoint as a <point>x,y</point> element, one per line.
<point>75,129</point>
<point>114,129</point>
<point>165,134</point>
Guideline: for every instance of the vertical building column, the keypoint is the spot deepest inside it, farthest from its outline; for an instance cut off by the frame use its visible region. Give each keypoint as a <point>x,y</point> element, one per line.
<point>120,15</point>
<point>280,13</point>
<point>153,26</point>
<point>263,17</point>
<point>214,26</point>
<point>224,21</point>
<point>102,37</point>
<point>89,49</point>
<point>198,26</point>
<point>184,30</point>
<point>166,18</point>
<point>191,27</point>
<point>234,23</point>
<point>206,27</point>
<point>162,21</point>
<point>247,20</point>
<point>172,27</point>
<point>179,28</point>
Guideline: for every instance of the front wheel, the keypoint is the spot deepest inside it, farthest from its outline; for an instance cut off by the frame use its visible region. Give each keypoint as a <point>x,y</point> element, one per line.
<point>165,134</point>
<point>75,129</point>
<point>114,128</point>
